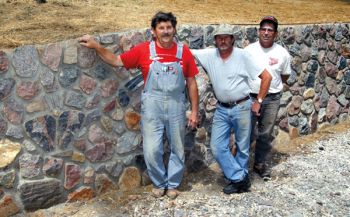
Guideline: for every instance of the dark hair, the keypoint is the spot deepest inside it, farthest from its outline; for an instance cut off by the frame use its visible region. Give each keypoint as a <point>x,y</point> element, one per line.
<point>163,17</point>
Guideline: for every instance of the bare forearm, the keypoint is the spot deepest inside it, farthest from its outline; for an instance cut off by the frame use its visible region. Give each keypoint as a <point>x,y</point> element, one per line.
<point>108,57</point>
<point>193,94</point>
<point>265,84</point>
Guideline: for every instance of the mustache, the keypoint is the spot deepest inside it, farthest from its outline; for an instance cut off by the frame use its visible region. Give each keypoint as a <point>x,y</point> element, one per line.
<point>166,34</point>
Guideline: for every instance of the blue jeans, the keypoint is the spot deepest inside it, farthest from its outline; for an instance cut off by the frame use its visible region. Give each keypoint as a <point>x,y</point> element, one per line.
<point>161,113</point>
<point>238,118</point>
<point>265,123</point>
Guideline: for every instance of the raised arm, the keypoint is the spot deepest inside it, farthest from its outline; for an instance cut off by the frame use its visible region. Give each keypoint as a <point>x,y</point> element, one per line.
<point>105,54</point>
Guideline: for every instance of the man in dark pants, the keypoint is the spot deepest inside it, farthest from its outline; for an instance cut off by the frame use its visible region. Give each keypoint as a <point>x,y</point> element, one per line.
<point>168,67</point>
<point>276,60</point>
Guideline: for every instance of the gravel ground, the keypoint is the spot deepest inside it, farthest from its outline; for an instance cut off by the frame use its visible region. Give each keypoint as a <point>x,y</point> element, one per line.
<point>315,182</point>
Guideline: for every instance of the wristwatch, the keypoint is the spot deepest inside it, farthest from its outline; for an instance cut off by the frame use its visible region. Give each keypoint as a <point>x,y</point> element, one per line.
<point>260,100</point>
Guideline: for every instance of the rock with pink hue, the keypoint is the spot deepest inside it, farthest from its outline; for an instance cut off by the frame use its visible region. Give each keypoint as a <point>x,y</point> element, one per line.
<point>86,57</point>
<point>294,105</point>
<point>53,166</point>
<point>96,134</point>
<point>13,111</point>
<point>109,106</point>
<point>100,152</point>
<point>87,84</point>
<point>93,101</point>
<point>27,90</point>
<point>51,56</point>
<point>72,175</point>
<point>333,108</point>
<point>109,88</point>
<point>30,165</point>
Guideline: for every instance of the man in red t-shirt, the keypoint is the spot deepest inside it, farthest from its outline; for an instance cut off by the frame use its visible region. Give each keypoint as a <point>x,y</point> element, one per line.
<point>168,67</point>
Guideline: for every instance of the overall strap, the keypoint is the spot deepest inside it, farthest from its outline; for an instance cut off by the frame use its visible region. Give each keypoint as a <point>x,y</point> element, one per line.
<point>152,50</point>
<point>179,50</point>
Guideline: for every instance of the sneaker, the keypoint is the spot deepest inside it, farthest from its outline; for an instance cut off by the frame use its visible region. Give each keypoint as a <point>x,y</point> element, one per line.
<point>262,170</point>
<point>238,187</point>
<point>158,192</point>
<point>172,193</point>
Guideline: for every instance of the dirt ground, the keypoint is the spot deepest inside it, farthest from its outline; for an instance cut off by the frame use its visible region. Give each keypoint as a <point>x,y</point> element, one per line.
<point>26,22</point>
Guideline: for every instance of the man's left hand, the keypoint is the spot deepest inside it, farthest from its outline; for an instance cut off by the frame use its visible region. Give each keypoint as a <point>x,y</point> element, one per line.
<point>193,120</point>
<point>256,108</point>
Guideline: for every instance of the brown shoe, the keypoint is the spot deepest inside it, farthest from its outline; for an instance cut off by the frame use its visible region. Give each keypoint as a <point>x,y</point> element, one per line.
<point>158,192</point>
<point>172,193</point>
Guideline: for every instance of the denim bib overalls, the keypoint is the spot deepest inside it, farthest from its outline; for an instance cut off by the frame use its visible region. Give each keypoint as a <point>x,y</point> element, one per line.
<point>163,108</point>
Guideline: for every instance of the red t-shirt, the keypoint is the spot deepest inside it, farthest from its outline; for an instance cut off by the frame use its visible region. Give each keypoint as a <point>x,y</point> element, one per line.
<point>140,57</point>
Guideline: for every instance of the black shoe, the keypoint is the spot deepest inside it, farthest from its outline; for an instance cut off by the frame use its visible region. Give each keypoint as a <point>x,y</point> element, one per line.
<point>262,170</point>
<point>238,187</point>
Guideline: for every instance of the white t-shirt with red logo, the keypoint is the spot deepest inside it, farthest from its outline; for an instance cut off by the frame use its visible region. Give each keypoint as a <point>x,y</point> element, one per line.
<point>276,60</point>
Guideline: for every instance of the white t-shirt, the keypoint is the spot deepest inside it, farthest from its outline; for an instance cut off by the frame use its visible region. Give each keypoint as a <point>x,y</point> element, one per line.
<point>275,59</point>
<point>230,78</point>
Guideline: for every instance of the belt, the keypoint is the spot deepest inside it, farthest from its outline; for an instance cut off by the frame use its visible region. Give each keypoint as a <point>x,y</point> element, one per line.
<point>232,104</point>
<point>267,95</point>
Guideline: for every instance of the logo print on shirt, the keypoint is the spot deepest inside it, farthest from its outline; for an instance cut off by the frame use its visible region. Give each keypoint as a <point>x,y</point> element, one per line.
<point>273,61</point>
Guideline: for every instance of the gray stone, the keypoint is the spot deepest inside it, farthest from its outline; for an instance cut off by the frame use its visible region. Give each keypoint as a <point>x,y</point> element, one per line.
<point>196,39</point>
<point>324,97</point>
<point>76,100</point>
<point>15,132</point>
<point>128,142</point>
<point>342,100</point>
<point>86,57</point>
<point>286,97</point>
<point>6,85</point>
<point>48,80</point>
<point>252,34</point>
<point>307,107</point>
<point>322,115</point>
<point>304,127</point>
<point>288,35</point>
<point>25,61</point>
<point>40,194</point>
<point>115,168</point>
<point>93,101</point>
<point>30,165</point>
<point>93,116</point>
<point>29,146</point>
<point>347,77</point>
<point>68,75</point>
<point>7,179</point>
<point>332,56</point>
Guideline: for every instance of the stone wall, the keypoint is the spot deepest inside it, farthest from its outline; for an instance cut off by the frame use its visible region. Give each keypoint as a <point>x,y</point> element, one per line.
<point>69,124</point>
